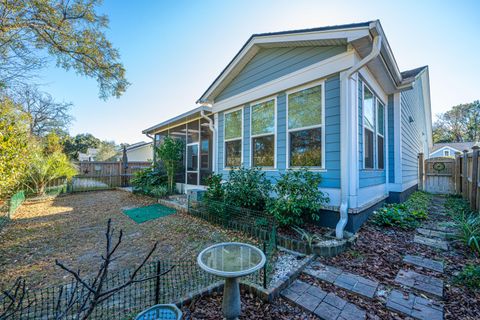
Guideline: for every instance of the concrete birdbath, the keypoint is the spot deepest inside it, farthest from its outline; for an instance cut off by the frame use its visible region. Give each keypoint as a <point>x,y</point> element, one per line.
<point>231,260</point>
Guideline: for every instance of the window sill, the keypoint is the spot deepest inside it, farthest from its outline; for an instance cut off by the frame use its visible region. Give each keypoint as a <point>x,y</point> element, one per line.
<point>373,170</point>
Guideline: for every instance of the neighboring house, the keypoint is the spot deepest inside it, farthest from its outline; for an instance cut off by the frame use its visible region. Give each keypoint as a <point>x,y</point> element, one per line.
<point>450,148</point>
<point>140,151</point>
<point>89,155</point>
<point>331,99</point>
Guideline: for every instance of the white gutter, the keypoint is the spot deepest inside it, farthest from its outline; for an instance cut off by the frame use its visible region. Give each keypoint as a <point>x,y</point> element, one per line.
<point>213,129</point>
<point>347,144</point>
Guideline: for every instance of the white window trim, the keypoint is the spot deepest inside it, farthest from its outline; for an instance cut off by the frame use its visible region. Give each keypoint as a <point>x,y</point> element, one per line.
<point>225,167</point>
<point>446,153</point>
<point>376,99</point>
<point>294,90</point>
<point>378,103</point>
<point>274,98</point>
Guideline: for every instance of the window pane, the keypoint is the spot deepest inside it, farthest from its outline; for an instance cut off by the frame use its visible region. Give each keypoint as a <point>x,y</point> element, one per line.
<point>192,177</point>
<point>306,148</point>
<point>233,153</point>
<point>380,119</point>
<point>193,133</point>
<point>368,109</point>
<point>263,117</point>
<point>192,158</point>
<point>380,156</point>
<point>263,151</point>
<point>233,125</point>
<point>368,148</point>
<point>305,108</point>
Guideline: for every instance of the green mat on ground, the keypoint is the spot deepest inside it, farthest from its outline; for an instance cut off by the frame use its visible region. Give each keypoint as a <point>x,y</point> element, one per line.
<point>147,213</point>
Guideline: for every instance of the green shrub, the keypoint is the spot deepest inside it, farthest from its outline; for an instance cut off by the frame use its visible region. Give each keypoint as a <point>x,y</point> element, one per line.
<point>298,198</point>
<point>150,181</point>
<point>170,152</point>
<point>407,215</point>
<point>469,276</point>
<point>247,188</point>
<point>214,188</point>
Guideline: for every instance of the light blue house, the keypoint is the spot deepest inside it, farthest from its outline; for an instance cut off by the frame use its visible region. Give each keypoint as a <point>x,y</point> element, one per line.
<point>449,149</point>
<point>331,99</point>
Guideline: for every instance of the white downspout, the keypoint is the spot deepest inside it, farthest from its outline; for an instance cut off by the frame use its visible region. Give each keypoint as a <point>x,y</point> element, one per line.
<point>213,129</point>
<point>346,136</point>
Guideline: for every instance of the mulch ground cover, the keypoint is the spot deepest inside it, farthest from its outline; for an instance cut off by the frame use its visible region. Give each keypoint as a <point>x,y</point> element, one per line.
<point>378,255</point>
<point>210,308</point>
<point>71,228</point>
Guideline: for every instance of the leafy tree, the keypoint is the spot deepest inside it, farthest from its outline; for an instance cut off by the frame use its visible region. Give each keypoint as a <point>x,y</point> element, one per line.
<point>79,143</point>
<point>70,31</point>
<point>460,124</point>
<point>107,151</point>
<point>14,147</point>
<point>46,115</point>
<point>170,152</point>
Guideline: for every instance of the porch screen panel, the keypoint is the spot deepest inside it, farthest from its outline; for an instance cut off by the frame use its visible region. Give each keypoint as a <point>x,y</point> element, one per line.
<point>305,125</point>
<point>180,133</point>
<point>205,151</point>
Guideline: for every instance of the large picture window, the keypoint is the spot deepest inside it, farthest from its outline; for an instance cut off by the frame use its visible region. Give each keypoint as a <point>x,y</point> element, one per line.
<point>368,127</point>
<point>233,138</point>
<point>263,134</point>
<point>305,125</point>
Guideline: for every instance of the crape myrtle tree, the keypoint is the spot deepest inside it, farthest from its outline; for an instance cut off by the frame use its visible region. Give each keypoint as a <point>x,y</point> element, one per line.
<point>72,32</point>
<point>459,124</point>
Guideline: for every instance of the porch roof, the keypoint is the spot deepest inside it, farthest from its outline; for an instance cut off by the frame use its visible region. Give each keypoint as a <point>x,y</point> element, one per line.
<point>177,120</point>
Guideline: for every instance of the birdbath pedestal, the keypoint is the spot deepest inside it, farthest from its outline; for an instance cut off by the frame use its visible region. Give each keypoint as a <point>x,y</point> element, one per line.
<point>231,260</point>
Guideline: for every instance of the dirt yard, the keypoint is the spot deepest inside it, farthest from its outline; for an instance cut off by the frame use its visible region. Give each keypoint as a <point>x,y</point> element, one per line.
<point>71,228</point>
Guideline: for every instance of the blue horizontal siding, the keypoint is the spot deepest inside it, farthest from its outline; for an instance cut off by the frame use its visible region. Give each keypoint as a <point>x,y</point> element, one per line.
<point>331,177</point>
<point>271,63</point>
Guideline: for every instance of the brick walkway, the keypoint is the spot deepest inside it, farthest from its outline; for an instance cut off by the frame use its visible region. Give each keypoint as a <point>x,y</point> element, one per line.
<point>424,263</point>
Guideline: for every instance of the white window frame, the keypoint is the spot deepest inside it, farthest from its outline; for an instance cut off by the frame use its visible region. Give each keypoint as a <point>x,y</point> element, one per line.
<point>252,136</point>
<point>446,153</point>
<point>379,102</point>
<point>234,139</point>
<point>322,125</point>
<point>376,100</point>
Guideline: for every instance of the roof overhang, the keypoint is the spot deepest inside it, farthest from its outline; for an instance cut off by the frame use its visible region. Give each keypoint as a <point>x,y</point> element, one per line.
<point>359,36</point>
<point>178,120</point>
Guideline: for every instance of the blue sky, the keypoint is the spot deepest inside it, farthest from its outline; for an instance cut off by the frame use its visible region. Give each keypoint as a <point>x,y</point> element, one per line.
<point>173,50</point>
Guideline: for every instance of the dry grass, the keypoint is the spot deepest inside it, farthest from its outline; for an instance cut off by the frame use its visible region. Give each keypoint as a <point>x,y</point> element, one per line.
<point>71,229</point>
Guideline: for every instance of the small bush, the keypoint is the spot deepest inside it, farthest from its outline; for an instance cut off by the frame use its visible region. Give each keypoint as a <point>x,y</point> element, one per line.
<point>469,276</point>
<point>298,198</point>
<point>466,221</point>
<point>407,215</point>
<point>247,188</point>
<point>150,181</point>
<point>214,197</point>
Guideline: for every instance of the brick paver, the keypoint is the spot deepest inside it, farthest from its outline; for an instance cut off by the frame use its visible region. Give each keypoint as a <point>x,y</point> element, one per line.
<point>432,233</point>
<point>435,243</point>
<point>414,306</point>
<point>420,282</point>
<point>345,280</point>
<point>325,305</point>
<point>424,263</point>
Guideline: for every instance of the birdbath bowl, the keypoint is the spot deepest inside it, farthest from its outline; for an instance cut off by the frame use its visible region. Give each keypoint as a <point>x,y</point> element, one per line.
<point>231,260</point>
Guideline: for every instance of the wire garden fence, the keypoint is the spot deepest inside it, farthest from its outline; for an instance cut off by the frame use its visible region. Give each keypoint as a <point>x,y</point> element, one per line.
<point>257,224</point>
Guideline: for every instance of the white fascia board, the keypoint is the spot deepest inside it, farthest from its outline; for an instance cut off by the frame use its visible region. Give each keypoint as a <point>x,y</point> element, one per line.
<point>313,72</point>
<point>349,34</point>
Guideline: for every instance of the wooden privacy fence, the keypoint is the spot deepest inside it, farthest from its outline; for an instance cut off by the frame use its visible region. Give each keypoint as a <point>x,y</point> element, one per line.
<point>113,174</point>
<point>459,175</point>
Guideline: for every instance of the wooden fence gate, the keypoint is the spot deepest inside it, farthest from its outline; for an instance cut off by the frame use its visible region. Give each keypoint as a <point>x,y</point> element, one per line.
<point>440,175</point>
